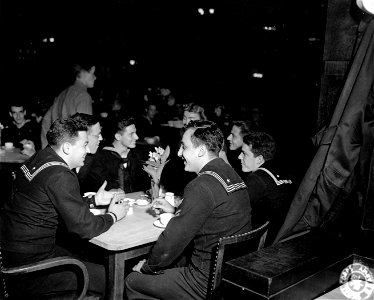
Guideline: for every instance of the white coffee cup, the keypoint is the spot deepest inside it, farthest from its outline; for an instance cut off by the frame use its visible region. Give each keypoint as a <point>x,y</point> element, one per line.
<point>165,218</point>
<point>8,145</point>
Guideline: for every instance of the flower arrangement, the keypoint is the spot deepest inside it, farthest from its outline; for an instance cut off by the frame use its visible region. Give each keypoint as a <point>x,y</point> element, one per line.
<point>154,166</point>
<point>156,157</point>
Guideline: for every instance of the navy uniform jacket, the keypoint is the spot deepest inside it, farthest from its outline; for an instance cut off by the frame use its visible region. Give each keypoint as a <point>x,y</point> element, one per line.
<point>215,204</point>
<point>46,192</point>
<point>108,165</point>
<point>270,197</point>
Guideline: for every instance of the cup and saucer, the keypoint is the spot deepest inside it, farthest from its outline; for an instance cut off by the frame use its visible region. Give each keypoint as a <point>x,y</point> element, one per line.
<point>8,146</point>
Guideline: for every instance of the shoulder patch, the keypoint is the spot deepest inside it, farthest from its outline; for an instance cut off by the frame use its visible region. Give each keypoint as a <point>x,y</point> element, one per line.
<point>226,185</point>
<point>31,175</point>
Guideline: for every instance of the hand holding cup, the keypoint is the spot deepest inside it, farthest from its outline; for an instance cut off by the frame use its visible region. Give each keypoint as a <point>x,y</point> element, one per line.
<point>160,204</point>
<point>120,209</point>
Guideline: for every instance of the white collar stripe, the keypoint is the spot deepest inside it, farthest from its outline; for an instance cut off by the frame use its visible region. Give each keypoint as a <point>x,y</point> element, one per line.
<point>229,188</point>
<point>278,182</point>
<point>30,176</point>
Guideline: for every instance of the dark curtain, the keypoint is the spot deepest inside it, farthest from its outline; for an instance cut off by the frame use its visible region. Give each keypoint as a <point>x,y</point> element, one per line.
<point>344,161</point>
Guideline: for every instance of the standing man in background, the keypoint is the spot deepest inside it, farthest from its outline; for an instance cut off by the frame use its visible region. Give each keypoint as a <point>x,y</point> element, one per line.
<point>71,100</point>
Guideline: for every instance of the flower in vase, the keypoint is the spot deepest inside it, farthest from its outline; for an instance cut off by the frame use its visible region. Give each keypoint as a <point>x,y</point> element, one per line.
<point>154,166</point>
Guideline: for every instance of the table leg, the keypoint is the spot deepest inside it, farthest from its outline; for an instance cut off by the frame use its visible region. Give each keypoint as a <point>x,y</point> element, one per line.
<point>116,276</point>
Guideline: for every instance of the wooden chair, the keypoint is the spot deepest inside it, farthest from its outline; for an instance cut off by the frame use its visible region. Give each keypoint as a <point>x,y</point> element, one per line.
<point>231,247</point>
<point>43,265</point>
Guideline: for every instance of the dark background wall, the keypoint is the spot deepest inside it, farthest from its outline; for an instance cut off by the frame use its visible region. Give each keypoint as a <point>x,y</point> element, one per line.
<point>209,58</point>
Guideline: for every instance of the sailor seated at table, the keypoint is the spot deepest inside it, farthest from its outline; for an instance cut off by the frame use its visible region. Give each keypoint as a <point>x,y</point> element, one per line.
<point>270,193</point>
<point>46,198</point>
<point>215,204</point>
<point>94,139</point>
<point>119,163</point>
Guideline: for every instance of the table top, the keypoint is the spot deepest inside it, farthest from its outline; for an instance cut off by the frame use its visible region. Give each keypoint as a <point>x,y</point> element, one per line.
<point>133,230</point>
<point>12,156</point>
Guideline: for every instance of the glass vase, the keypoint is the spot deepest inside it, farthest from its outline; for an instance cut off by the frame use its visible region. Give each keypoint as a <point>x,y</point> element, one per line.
<point>155,189</point>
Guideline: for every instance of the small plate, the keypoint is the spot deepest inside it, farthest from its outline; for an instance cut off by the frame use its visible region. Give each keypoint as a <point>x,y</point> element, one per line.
<point>157,223</point>
<point>141,202</point>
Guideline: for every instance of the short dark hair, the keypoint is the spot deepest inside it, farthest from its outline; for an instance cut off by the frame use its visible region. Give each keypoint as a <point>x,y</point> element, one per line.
<point>78,68</point>
<point>65,130</point>
<point>244,126</point>
<point>17,103</point>
<point>90,120</point>
<point>261,143</point>
<point>206,133</point>
<point>119,125</point>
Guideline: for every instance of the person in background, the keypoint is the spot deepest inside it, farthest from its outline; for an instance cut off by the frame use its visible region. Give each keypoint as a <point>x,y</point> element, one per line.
<point>119,163</point>
<point>270,193</point>
<point>47,197</point>
<point>257,119</point>
<point>169,110</point>
<point>148,125</point>
<point>73,99</point>
<point>218,115</point>
<point>235,138</point>
<point>24,133</point>
<point>215,204</point>
<point>193,112</point>
<point>174,178</point>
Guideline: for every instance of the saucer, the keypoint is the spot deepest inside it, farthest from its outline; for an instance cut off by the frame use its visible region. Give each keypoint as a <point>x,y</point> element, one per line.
<point>157,223</point>
<point>141,202</point>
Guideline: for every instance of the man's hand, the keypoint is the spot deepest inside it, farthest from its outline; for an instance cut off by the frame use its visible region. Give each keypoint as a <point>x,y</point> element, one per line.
<point>28,147</point>
<point>103,197</point>
<point>139,266</point>
<point>119,209</point>
<point>162,204</point>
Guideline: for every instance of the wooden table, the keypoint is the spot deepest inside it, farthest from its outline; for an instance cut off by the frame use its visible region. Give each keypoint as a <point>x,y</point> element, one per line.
<point>130,237</point>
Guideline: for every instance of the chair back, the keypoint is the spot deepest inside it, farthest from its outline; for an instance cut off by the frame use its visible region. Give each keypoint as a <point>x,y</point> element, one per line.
<point>231,247</point>
<point>48,264</point>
